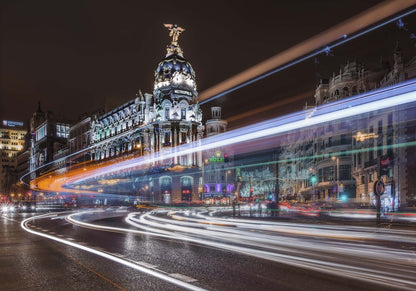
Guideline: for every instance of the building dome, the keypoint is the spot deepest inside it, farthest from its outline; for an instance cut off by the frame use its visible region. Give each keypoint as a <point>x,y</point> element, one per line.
<point>174,76</point>
<point>174,65</point>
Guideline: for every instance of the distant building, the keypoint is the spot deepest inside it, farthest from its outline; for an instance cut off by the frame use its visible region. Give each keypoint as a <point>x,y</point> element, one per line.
<point>333,152</point>
<point>49,138</point>
<point>12,141</point>
<point>219,173</point>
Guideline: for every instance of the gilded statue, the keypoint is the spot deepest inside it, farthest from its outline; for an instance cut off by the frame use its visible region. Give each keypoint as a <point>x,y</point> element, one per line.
<point>175,31</point>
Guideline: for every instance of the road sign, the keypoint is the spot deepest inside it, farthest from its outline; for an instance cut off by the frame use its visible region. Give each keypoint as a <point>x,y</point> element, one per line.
<point>379,187</point>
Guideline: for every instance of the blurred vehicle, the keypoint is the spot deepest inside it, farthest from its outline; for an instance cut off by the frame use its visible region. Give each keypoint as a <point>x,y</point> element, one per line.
<point>7,207</point>
<point>27,207</point>
<point>145,205</point>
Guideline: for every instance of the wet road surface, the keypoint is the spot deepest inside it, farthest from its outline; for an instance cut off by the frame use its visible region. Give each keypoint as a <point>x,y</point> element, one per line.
<point>30,262</point>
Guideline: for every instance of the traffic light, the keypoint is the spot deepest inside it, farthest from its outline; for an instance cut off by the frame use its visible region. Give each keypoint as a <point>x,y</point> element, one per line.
<point>384,165</point>
<point>226,158</point>
<point>313,179</point>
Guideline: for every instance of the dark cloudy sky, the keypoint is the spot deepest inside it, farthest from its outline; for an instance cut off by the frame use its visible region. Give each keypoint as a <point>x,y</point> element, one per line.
<point>74,56</point>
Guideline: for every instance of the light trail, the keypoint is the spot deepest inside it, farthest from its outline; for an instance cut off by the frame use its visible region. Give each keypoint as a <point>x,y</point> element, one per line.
<point>108,256</point>
<point>338,35</point>
<point>344,31</point>
<point>384,98</point>
<point>360,262</point>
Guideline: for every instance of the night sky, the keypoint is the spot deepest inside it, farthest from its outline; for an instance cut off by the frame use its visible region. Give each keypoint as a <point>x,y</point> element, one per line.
<point>75,56</point>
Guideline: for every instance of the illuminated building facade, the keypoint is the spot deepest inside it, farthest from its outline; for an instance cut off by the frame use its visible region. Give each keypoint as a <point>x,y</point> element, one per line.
<point>49,138</point>
<point>219,173</point>
<point>155,122</point>
<point>385,156</point>
<point>79,139</point>
<point>12,142</point>
<point>344,157</point>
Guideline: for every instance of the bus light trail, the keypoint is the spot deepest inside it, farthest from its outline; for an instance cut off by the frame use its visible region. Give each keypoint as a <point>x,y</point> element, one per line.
<point>386,98</point>
<point>347,108</point>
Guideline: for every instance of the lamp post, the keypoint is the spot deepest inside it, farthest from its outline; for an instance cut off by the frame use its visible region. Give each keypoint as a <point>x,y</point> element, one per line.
<point>334,158</point>
<point>313,180</point>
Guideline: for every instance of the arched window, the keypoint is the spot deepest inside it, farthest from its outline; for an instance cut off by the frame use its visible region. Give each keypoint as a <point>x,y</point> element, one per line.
<point>186,188</point>
<point>346,92</point>
<point>165,185</point>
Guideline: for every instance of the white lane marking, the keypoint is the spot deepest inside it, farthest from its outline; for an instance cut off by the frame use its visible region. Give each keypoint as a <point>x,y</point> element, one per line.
<point>183,277</point>
<point>110,257</point>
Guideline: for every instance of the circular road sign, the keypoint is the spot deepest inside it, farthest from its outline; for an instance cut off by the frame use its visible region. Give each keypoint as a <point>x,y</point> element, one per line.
<point>379,188</point>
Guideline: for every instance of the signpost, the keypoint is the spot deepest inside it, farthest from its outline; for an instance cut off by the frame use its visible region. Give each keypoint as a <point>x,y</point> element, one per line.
<point>378,190</point>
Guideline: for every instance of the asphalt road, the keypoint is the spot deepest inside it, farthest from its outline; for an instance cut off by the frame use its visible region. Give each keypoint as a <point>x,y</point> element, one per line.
<point>31,262</point>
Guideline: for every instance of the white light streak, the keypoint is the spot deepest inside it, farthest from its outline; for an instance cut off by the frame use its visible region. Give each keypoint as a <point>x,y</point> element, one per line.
<point>377,100</point>
<point>399,278</point>
<point>108,256</point>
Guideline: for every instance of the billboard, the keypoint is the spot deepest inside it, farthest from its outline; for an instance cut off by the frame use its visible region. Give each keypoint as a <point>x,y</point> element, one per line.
<point>10,123</point>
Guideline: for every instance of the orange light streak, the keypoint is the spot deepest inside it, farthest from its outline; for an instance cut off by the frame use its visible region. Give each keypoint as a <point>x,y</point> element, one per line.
<point>350,26</point>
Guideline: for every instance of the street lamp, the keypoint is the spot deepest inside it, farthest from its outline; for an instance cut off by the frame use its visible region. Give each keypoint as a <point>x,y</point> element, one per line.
<point>313,180</point>
<point>139,147</point>
<point>334,158</point>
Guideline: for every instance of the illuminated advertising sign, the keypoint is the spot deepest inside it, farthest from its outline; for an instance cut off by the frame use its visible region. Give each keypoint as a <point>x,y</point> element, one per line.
<point>216,159</point>
<point>10,123</point>
<point>182,92</point>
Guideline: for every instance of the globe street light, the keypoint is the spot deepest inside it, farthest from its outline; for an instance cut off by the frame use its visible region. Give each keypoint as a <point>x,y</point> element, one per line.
<point>313,180</point>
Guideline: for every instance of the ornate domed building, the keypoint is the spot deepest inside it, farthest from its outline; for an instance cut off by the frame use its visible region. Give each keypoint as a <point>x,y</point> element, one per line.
<point>162,121</point>
<point>175,87</point>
